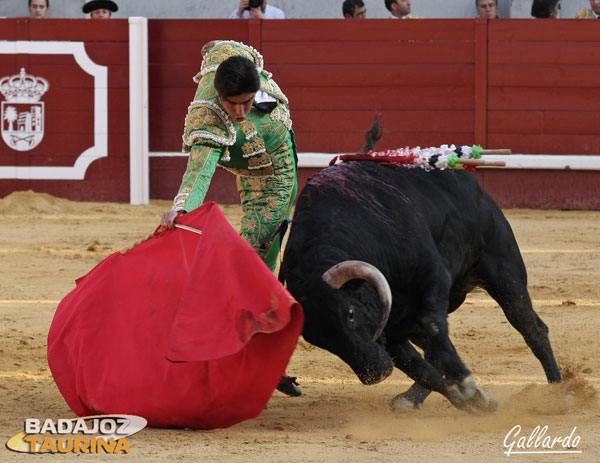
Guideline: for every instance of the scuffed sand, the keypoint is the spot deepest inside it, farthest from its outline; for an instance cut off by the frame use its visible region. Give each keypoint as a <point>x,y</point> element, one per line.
<point>46,243</point>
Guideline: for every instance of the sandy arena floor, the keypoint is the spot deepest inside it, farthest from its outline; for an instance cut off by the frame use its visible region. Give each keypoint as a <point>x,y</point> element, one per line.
<point>46,243</point>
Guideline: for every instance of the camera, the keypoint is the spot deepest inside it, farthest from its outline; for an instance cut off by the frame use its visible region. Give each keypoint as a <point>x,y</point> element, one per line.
<point>254,4</point>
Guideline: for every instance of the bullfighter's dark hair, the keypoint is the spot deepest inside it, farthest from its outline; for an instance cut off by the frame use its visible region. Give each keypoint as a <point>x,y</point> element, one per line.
<point>47,3</point>
<point>349,6</point>
<point>388,4</point>
<point>543,8</point>
<point>236,75</point>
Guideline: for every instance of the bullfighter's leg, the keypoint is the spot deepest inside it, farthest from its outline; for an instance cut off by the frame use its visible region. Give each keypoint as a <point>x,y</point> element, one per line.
<point>267,202</point>
<point>506,282</point>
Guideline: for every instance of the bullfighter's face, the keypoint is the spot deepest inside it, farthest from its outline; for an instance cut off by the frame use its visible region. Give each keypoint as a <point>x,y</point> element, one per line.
<point>595,5</point>
<point>238,106</point>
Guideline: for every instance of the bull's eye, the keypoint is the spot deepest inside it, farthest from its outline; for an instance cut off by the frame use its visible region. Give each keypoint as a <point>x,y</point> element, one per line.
<point>351,319</point>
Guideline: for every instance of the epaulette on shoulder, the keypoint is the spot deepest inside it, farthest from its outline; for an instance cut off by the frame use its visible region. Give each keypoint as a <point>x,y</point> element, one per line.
<point>206,120</point>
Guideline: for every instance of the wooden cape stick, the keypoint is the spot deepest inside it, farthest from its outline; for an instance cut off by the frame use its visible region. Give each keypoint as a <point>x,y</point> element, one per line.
<point>151,235</point>
<point>482,162</point>
<point>185,227</point>
<point>497,151</point>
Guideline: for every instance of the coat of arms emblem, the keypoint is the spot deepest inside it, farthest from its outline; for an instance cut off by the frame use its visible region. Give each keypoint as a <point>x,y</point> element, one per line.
<point>22,116</point>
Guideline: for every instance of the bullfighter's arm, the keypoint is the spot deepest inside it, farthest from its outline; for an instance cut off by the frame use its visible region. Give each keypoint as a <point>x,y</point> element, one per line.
<point>207,134</point>
<point>201,166</point>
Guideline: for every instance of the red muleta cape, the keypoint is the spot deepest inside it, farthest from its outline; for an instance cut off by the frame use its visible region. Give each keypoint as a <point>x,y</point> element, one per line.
<point>185,330</point>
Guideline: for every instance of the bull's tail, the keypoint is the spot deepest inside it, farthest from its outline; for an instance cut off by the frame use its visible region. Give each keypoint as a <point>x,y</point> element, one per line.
<point>373,135</point>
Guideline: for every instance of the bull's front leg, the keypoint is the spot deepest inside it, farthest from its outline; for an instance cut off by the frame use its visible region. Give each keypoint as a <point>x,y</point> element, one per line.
<point>427,378</point>
<point>410,399</point>
<point>462,393</point>
<point>461,389</point>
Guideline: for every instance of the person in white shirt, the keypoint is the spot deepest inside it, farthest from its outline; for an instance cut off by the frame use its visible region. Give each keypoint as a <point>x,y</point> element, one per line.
<point>400,9</point>
<point>247,10</point>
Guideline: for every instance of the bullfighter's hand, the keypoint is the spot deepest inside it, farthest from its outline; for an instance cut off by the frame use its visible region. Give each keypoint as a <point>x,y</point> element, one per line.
<point>168,219</point>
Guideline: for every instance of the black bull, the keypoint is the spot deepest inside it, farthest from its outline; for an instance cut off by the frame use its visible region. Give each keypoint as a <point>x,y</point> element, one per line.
<point>433,236</point>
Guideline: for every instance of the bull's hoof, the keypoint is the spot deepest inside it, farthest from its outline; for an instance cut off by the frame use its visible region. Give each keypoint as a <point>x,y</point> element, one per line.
<point>401,402</point>
<point>467,396</point>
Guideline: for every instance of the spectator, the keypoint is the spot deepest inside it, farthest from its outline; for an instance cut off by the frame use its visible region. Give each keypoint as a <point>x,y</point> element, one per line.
<point>39,8</point>
<point>590,13</point>
<point>400,9</point>
<point>257,9</point>
<point>487,8</point>
<point>545,8</point>
<point>354,9</point>
<point>100,9</point>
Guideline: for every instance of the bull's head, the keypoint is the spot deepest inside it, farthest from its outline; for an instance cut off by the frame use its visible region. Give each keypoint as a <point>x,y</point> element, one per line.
<point>351,321</point>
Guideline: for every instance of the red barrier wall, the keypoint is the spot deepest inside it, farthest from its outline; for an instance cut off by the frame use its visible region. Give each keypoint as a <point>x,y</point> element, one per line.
<point>515,84</point>
<point>69,106</point>
<point>543,86</point>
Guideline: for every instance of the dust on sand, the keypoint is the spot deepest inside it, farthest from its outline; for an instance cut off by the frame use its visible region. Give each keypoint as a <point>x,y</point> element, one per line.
<point>46,243</point>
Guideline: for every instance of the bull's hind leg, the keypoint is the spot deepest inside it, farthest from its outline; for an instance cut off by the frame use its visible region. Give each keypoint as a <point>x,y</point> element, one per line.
<point>505,279</point>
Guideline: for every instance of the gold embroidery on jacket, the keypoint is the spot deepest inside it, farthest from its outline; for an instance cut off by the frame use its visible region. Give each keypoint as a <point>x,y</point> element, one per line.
<point>253,147</point>
<point>248,130</point>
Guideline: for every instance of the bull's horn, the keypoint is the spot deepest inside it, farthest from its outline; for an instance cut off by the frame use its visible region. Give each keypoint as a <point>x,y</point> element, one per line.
<point>348,270</point>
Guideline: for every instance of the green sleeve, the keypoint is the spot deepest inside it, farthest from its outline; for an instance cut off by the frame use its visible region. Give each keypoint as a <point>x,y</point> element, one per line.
<point>201,166</point>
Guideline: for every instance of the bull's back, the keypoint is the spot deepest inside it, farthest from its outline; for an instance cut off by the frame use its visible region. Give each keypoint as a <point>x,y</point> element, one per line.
<point>369,208</point>
<point>392,195</point>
